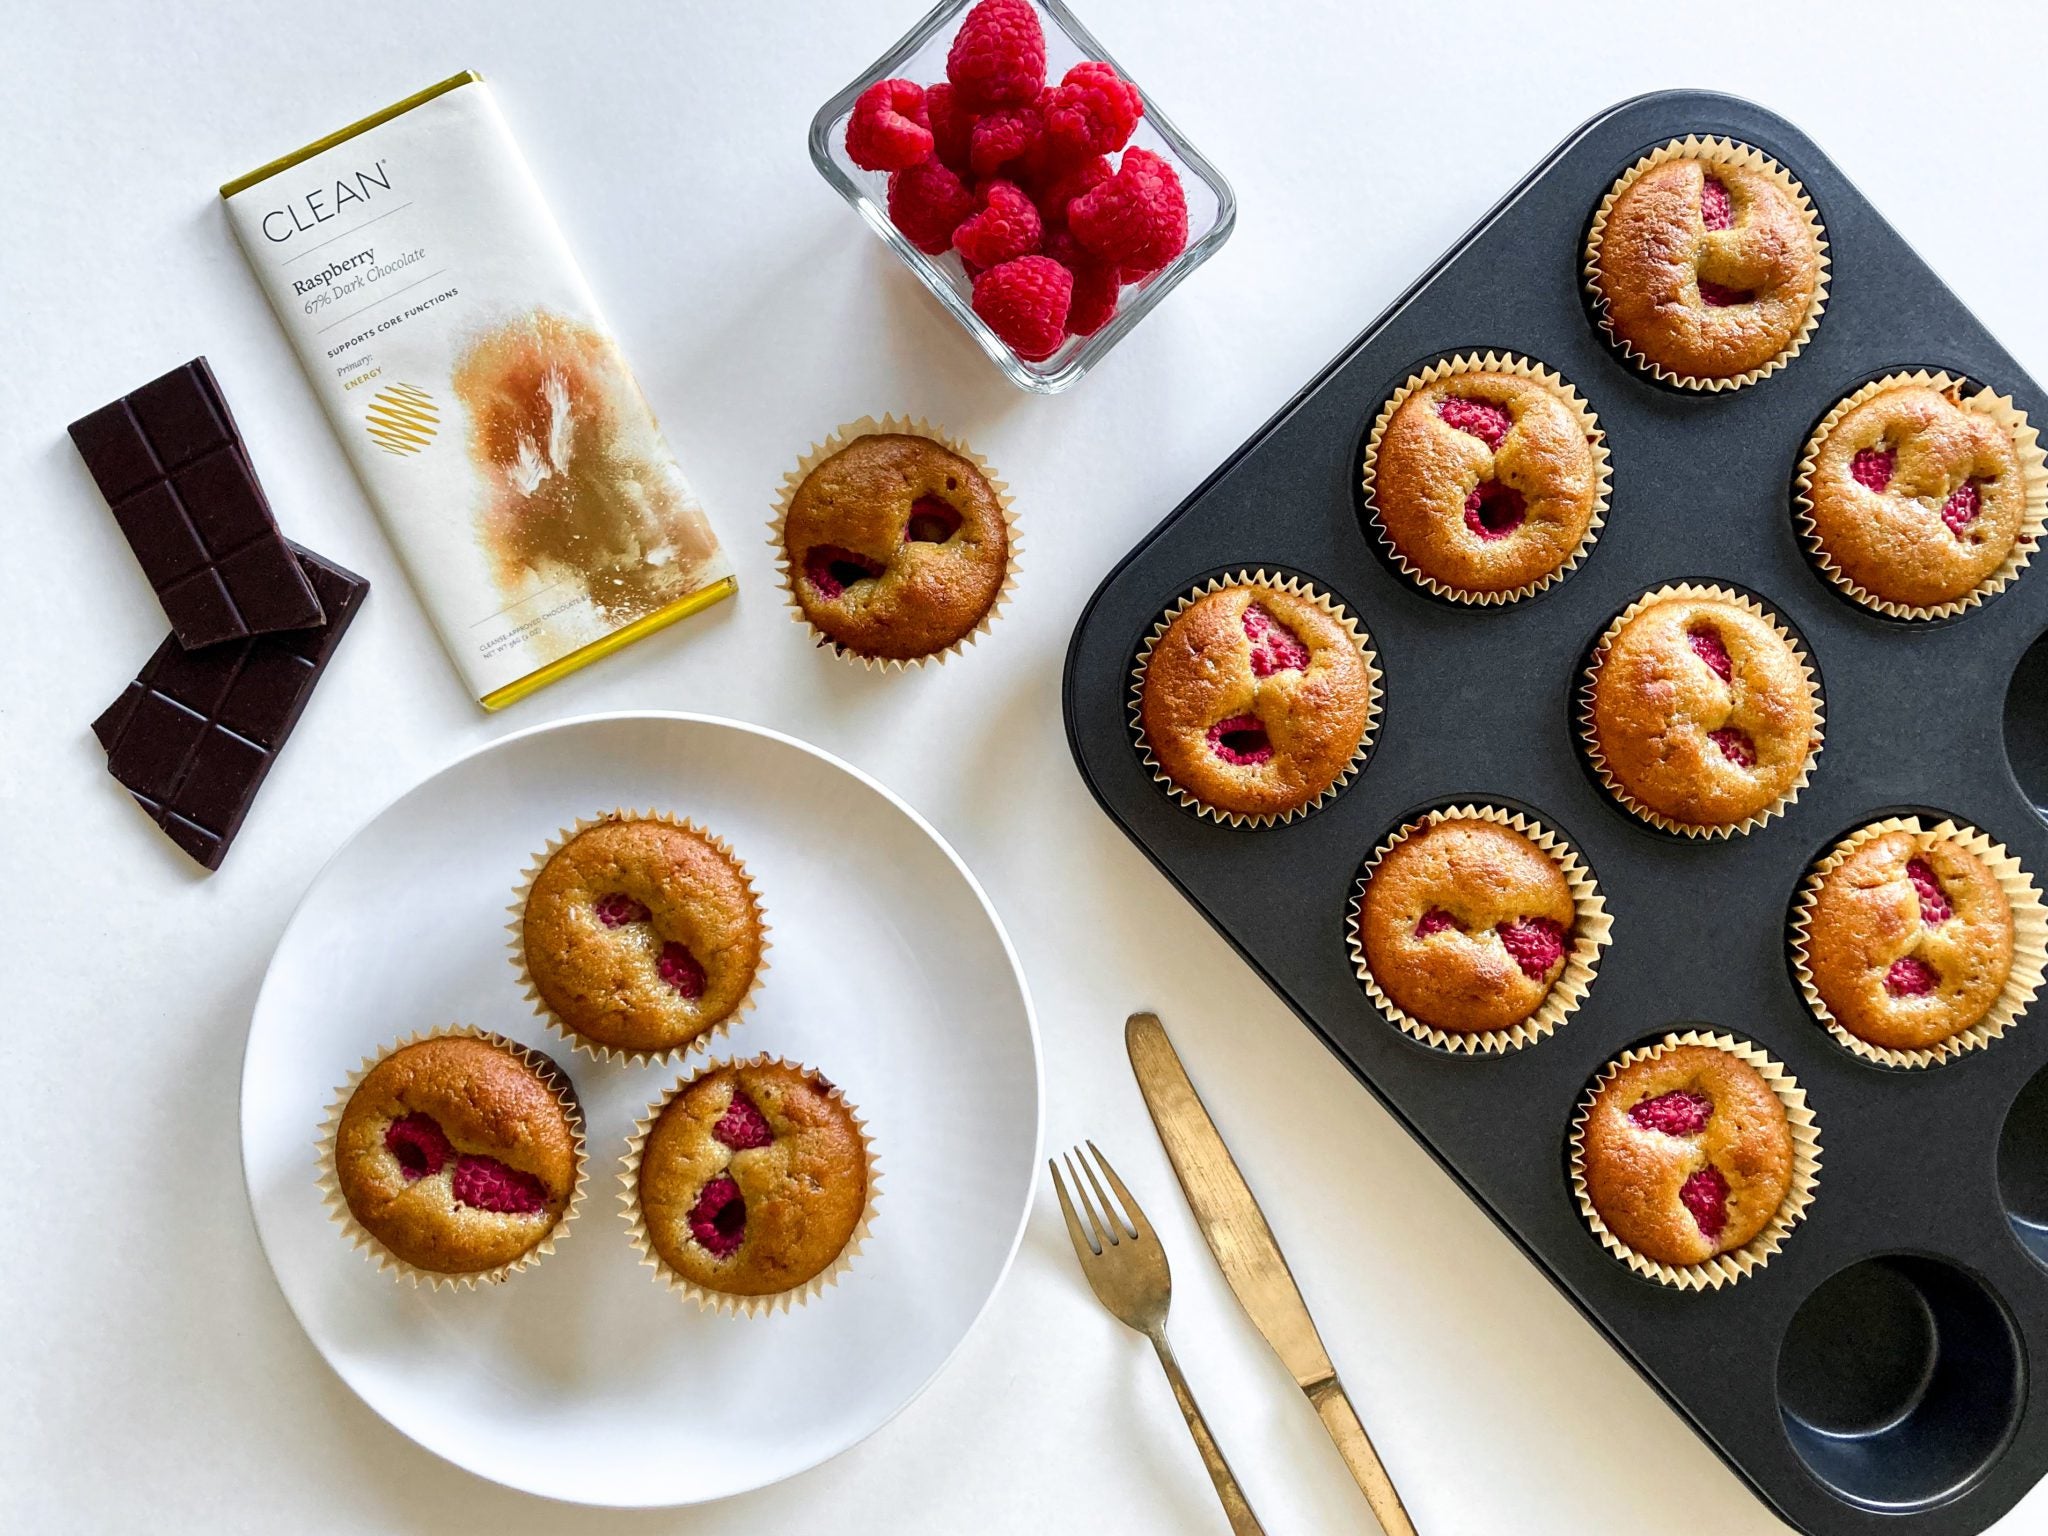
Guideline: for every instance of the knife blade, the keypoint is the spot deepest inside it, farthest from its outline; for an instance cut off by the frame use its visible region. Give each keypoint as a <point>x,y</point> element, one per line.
<point>1249,1256</point>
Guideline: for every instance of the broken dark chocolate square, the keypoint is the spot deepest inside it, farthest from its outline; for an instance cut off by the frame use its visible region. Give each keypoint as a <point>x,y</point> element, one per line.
<point>173,468</point>
<point>193,736</point>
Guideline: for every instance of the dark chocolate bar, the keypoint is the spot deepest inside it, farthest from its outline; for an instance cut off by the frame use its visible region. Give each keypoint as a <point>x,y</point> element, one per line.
<point>192,737</point>
<point>171,464</point>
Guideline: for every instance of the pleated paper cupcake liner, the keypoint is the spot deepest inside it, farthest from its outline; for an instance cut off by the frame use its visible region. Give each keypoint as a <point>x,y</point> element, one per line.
<point>1296,587</point>
<point>2029,942</point>
<point>1521,367</point>
<point>1716,151</point>
<point>706,1298</point>
<point>1592,932</point>
<point>1737,1263</point>
<point>361,1238</point>
<point>842,437</point>
<point>597,1050</point>
<point>2033,470</point>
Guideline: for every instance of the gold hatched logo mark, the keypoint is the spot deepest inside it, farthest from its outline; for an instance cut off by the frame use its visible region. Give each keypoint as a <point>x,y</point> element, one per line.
<point>402,419</point>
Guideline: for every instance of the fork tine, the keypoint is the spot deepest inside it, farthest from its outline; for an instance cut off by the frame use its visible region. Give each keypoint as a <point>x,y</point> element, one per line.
<point>1105,1234</point>
<point>1120,1227</point>
<point>1083,1244</point>
<point>1133,1213</point>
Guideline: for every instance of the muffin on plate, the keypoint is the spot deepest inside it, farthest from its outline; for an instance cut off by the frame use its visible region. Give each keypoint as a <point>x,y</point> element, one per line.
<point>640,934</point>
<point>459,1154</point>
<point>1255,698</point>
<point>751,1181</point>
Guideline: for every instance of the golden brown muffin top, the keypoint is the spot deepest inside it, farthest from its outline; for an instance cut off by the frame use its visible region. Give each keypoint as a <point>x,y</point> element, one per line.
<point>1703,712</point>
<point>1256,699</point>
<point>1485,481</point>
<point>1707,269</point>
<point>897,546</point>
<point>1466,925</point>
<point>1688,1154</point>
<point>1914,498</point>
<point>753,1178</point>
<point>456,1154</point>
<point>641,935</point>
<point>1910,940</point>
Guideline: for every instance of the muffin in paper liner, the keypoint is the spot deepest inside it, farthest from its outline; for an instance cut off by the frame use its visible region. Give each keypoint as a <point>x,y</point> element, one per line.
<point>1592,931</point>
<point>1719,151</point>
<point>1589,737</point>
<point>1296,587</point>
<point>2029,942</point>
<point>1492,362</point>
<point>597,1050</point>
<point>842,437</point>
<point>722,1301</point>
<point>1737,1263</point>
<point>2033,471</point>
<point>360,1236</point>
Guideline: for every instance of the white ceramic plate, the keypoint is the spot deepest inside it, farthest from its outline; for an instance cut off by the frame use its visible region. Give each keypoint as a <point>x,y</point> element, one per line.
<point>584,1378</point>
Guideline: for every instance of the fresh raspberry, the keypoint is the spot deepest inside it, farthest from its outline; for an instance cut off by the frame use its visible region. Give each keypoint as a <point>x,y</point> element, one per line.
<point>1241,740</point>
<point>1961,509</point>
<point>618,909</point>
<point>1705,1194</point>
<point>488,1185</point>
<point>719,1218</point>
<point>1482,418</point>
<point>1934,907</point>
<point>1056,195</point>
<point>1493,510</point>
<point>1716,296</point>
<point>743,1126</point>
<point>1137,219</point>
<point>931,521</point>
<point>1536,943</point>
<point>1007,227</point>
<point>832,570</point>
<point>889,130</point>
<point>1097,285</point>
<point>679,968</point>
<point>1025,302</point>
<point>1093,110</point>
<point>1706,644</point>
<point>998,55</point>
<point>1735,745</point>
<point>1717,209</point>
<point>1910,976</point>
<point>1275,647</point>
<point>419,1144</point>
<point>1872,467</point>
<point>1680,1112</point>
<point>952,122</point>
<point>1435,920</point>
<point>927,202</point>
<point>1007,137</point>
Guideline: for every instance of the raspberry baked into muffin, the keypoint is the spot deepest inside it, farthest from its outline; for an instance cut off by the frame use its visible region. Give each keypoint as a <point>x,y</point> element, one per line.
<point>1687,1154</point>
<point>1256,699</point>
<point>641,935</point>
<point>1708,265</point>
<point>753,1179</point>
<point>1466,925</point>
<point>896,547</point>
<point>459,1154</point>
<point>1486,483</point>
<point>1909,940</point>
<point>1699,712</point>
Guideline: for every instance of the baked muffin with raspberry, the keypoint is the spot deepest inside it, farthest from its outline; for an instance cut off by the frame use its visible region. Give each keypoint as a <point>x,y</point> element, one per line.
<point>896,547</point>
<point>753,1178</point>
<point>1909,940</point>
<point>1700,713</point>
<point>1707,268</point>
<point>460,1154</point>
<point>1687,1154</point>
<point>641,935</point>
<point>1913,498</point>
<point>1466,925</point>
<point>1486,482</point>
<point>1257,699</point>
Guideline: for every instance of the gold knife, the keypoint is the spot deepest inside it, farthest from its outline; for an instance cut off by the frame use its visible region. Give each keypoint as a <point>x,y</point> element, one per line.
<point>1250,1259</point>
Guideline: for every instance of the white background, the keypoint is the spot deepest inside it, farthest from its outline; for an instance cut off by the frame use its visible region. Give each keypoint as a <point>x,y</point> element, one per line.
<point>150,1375</point>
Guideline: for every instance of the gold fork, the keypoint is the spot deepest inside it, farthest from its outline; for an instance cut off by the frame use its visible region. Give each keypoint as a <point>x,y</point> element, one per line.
<point>1126,1268</point>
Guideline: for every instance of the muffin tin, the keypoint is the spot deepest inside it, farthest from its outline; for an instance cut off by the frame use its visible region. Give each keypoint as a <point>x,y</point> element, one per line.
<point>1875,1374</point>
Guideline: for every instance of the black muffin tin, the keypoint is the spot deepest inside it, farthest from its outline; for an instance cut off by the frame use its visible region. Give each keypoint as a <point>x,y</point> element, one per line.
<point>1875,1375</point>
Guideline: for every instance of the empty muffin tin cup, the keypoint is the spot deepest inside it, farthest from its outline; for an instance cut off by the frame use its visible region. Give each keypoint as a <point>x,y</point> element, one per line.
<point>2023,1168</point>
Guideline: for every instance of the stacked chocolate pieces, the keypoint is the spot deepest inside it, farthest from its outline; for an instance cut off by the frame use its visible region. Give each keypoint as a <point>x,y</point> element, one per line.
<point>255,619</point>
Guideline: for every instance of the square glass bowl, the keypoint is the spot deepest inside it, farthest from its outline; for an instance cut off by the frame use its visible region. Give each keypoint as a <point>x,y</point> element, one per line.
<point>921,56</point>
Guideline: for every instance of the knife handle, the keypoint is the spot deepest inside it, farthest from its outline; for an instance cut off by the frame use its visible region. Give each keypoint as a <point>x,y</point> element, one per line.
<point>1355,1445</point>
<point>1235,1506</point>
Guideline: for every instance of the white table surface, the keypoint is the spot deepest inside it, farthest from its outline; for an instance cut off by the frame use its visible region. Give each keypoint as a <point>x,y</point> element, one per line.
<point>150,1374</point>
